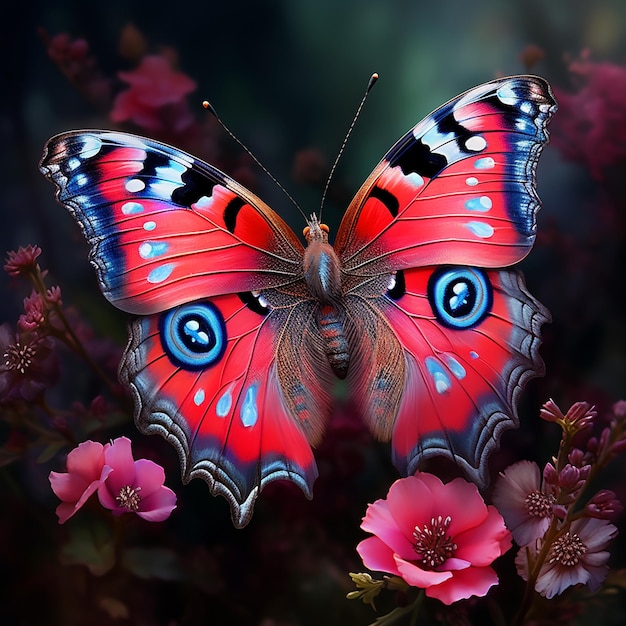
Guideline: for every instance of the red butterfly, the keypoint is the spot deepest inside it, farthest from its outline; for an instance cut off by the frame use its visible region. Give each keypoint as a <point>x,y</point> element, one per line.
<point>242,330</point>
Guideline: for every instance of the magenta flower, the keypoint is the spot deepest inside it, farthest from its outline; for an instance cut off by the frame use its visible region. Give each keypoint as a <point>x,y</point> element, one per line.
<point>527,508</point>
<point>439,537</point>
<point>134,486</point>
<point>86,471</point>
<point>577,556</point>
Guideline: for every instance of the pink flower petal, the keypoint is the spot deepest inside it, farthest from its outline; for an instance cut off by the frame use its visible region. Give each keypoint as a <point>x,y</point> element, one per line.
<point>158,506</point>
<point>419,577</point>
<point>86,460</point>
<point>401,500</point>
<point>484,543</point>
<point>462,502</point>
<point>377,556</point>
<point>475,581</point>
<point>149,476</point>
<point>119,456</point>
<point>379,521</point>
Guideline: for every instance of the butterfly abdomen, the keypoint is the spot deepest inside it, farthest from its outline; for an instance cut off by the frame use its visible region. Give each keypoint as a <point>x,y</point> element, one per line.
<point>334,339</point>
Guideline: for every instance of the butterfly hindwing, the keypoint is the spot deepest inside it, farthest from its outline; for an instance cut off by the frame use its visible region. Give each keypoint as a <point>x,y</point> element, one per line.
<point>459,188</point>
<point>471,341</point>
<point>204,376</point>
<point>166,228</point>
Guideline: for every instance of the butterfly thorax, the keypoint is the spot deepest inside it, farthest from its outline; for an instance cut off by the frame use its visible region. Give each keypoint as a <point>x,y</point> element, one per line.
<point>322,274</point>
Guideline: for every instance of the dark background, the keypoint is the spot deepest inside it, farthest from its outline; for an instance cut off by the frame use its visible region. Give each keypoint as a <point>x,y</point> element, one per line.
<point>286,77</point>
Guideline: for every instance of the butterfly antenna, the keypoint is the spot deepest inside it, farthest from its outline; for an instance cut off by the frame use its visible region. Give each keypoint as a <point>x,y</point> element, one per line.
<point>211,109</point>
<point>370,84</point>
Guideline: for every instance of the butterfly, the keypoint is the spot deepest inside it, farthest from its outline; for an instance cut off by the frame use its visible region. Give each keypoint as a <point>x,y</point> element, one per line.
<point>240,329</point>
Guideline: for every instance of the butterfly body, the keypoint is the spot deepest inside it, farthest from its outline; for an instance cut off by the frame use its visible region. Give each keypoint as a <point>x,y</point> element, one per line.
<point>241,331</point>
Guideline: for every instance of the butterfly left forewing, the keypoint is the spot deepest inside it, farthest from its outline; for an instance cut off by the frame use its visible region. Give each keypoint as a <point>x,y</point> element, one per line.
<point>164,227</point>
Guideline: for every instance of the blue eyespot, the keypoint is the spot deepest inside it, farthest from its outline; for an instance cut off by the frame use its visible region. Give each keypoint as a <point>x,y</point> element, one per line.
<point>460,297</point>
<point>193,335</point>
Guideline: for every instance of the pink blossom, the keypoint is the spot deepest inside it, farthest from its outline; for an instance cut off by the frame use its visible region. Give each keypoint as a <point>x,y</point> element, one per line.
<point>134,486</point>
<point>577,556</point>
<point>526,507</point>
<point>440,537</point>
<point>86,471</point>
<point>23,261</point>
<point>154,87</point>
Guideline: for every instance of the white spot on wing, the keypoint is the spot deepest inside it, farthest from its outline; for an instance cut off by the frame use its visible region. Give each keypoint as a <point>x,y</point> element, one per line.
<point>506,94</point>
<point>149,225</point>
<point>471,181</point>
<point>414,179</point>
<point>476,143</point>
<point>134,185</point>
<point>91,147</point>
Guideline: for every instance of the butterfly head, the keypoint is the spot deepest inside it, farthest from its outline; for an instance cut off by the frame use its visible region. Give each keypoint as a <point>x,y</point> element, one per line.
<point>314,231</point>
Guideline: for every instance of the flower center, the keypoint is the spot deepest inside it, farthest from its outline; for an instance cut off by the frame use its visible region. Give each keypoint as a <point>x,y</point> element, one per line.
<point>539,504</point>
<point>18,357</point>
<point>129,498</point>
<point>433,543</point>
<point>567,549</point>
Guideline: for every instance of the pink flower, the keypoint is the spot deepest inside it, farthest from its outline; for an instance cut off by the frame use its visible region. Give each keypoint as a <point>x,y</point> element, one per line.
<point>23,261</point>
<point>134,486</point>
<point>439,537</point>
<point>526,507</point>
<point>154,89</point>
<point>577,556</point>
<point>86,471</point>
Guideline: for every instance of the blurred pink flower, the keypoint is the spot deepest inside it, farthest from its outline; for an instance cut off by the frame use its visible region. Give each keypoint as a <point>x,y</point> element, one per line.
<point>440,537</point>
<point>527,508</point>
<point>591,125</point>
<point>154,88</point>
<point>86,471</point>
<point>134,486</point>
<point>577,556</point>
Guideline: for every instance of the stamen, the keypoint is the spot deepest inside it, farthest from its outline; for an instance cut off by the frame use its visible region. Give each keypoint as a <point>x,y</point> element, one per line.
<point>539,504</point>
<point>567,549</point>
<point>129,498</point>
<point>432,542</point>
<point>18,357</point>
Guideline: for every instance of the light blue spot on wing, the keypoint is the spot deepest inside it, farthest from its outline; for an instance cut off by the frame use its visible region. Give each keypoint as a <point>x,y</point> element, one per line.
<point>440,378</point>
<point>161,273</point>
<point>455,367</point>
<point>152,249</point>
<point>481,229</point>
<point>224,404</point>
<point>485,163</point>
<point>129,208</point>
<point>198,397</point>
<point>249,412</point>
<point>481,204</point>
